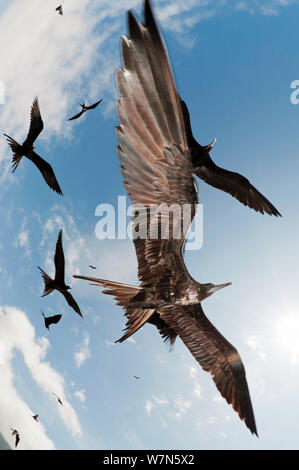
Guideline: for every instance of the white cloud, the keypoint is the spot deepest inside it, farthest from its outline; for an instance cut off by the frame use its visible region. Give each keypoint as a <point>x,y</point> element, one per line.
<point>193,372</point>
<point>83,353</point>
<point>80,394</point>
<point>17,333</point>
<point>197,390</point>
<point>148,407</point>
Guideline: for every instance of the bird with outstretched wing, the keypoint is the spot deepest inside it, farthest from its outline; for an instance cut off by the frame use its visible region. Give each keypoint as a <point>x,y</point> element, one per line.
<point>157,167</point>
<point>27,149</point>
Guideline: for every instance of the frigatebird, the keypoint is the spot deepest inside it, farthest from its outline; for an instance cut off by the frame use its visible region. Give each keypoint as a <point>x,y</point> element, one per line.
<point>84,109</point>
<point>16,433</point>
<point>230,182</point>
<point>136,377</point>
<point>35,417</point>
<point>157,168</point>
<point>58,399</point>
<point>59,9</point>
<point>27,149</point>
<point>58,282</point>
<point>50,320</point>
<point>92,267</point>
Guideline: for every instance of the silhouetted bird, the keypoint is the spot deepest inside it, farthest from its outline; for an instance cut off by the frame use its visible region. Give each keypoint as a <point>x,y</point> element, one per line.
<point>50,320</point>
<point>58,282</point>
<point>228,181</point>
<point>59,9</point>
<point>15,433</point>
<point>84,109</point>
<point>35,417</point>
<point>136,377</point>
<point>92,267</point>
<point>157,168</point>
<point>27,149</point>
<point>58,399</point>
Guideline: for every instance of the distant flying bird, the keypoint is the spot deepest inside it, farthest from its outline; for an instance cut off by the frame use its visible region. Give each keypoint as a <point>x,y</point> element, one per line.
<point>92,267</point>
<point>136,377</point>
<point>59,9</point>
<point>228,181</point>
<point>27,149</point>
<point>35,417</point>
<point>58,399</point>
<point>157,168</point>
<point>58,282</point>
<point>15,433</point>
<point>50,320</point>
<point>84,109</point>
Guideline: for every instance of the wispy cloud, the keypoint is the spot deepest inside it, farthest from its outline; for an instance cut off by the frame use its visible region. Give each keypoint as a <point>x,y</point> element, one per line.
<point>83,352</point>
<point>17,333</point>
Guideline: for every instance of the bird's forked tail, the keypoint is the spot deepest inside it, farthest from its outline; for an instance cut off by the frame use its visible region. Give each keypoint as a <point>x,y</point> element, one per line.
<point>47,281</point>
<point>17,152</point>
<point>126,296</point>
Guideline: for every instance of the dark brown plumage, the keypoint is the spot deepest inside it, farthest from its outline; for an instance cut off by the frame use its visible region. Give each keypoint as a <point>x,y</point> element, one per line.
<point>16,433</point>
<point>58,282</point>
<point>233,183</point>
<point>27,149</point>
<point>51,320</point>
<point>58,399</point>
<point>84,109</point>
<point>35,417</point>
<point>59,9</point>
<point>157,168</point>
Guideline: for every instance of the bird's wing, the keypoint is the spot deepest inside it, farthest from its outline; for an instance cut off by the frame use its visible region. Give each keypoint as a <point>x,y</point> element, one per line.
<point>94,105</point>
<point>71,301</point>
<point>233,183</point>
<point>59,261</point>
<point>215,355</point>
<point>236,185</point>
<point>77,115</point>
<point>17,439</point>
<point>46,170</point>
<point>36,123</point>
<point>54,319</point>
<point>155,161</point>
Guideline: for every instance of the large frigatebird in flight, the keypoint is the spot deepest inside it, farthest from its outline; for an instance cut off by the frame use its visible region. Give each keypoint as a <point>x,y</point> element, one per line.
<point>27,149</point>
<point>84,109</point>
<point>157,168</point>
<point>58,282</point>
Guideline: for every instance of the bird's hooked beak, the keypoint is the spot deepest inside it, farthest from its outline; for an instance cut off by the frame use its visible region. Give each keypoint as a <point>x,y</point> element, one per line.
<point>210,146</point>
<point>218,287</point>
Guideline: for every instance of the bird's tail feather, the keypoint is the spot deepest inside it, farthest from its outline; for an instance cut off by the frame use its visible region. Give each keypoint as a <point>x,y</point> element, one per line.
<point>124,295</point>
<point>47,280</point>
<point>17,152</point>
<point>121,292</point>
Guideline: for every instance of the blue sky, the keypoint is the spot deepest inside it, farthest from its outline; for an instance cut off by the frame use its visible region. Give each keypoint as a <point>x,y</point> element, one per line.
<point>233,62</point>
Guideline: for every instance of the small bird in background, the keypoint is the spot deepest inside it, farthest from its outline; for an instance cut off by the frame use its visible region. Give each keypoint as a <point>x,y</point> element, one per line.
<point>15,433</point>
<point>50,320</point>
<point>35,417</point>
<point>59,9</point>
<point>84,109</point>
<point>58,399</point>
<point>92,267</point>
<point>136,377</point>
<point>58,282</point>
<point>27,149</point>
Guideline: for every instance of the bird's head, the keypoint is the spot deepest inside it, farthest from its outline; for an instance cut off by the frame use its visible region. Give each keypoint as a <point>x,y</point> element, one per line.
<point>209,147</point>
<point>68,287</point>
<point>211,288</point>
